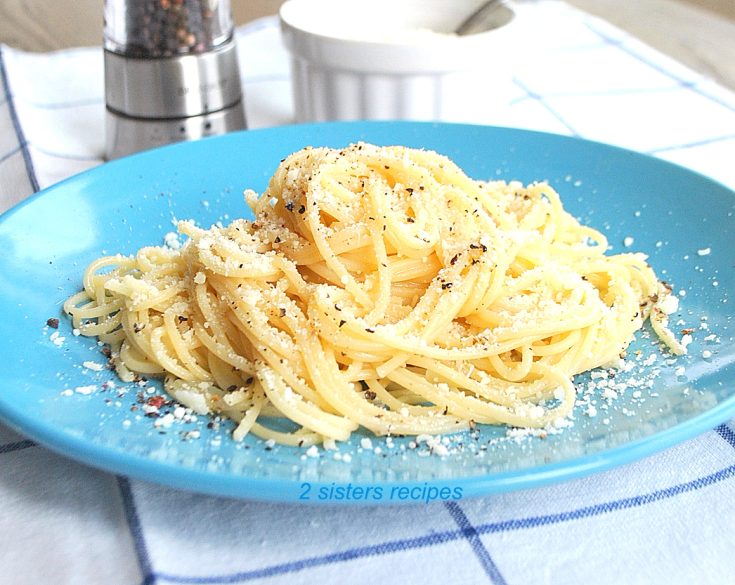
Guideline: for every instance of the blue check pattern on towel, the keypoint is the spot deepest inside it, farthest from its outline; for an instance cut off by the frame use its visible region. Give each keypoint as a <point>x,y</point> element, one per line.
<point>666,519</point>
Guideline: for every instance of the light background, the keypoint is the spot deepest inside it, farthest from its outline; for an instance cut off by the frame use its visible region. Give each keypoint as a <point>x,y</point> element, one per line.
<point>698,33</point>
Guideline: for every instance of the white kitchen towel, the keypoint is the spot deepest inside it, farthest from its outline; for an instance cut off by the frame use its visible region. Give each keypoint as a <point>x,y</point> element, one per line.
<point>666,519</point>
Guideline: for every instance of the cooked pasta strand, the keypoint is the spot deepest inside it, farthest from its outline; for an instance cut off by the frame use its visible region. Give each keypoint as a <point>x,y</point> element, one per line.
<point>377,287</point>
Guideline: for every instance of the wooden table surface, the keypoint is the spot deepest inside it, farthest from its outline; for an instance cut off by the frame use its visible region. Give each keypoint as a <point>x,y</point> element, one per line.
<point>698,33</point>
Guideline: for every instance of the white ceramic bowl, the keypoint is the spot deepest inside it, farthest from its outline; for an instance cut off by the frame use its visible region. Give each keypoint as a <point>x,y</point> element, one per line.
<point>393,59</point>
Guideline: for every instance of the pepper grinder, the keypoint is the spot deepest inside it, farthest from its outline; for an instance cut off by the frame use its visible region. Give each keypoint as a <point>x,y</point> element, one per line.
<point>171,73</point>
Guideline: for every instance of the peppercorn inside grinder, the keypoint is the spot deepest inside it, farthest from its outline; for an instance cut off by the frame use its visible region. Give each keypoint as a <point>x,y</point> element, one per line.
<point>171,73</point>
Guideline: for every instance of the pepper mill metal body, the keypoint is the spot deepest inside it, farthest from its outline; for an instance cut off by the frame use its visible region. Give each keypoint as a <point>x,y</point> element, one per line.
<point>171,73</point>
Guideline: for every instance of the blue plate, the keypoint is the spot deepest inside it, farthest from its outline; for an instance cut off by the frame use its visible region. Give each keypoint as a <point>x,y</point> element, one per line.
<point>684,221</point>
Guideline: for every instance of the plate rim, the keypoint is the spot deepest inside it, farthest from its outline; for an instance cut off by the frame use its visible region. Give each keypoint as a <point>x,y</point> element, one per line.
<point>153,152</point>
<point>166,473</point>
<point>281,490</point>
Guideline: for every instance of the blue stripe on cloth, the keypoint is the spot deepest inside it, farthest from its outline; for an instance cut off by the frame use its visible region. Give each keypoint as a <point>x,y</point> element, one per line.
<point>448,536</point>
<point>68,155</point>
<point>62,105</point>
<point>10,154</point>
<point>726,433</point>
<point>606,507</point>
<point>136,530</point>
<point>477,545</point>
<point>263,23</point>
<point>655,66</point>
<point>534,96</point>
<point>264,78</point>
<point>16,125</point>
<point>623,91</point>
<point>16,446</point>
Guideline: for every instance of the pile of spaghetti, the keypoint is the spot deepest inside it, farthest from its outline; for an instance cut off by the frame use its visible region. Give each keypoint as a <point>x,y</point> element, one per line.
<point>377,287</point>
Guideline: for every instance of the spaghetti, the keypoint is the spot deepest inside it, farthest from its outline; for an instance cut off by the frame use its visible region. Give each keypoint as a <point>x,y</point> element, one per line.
<point>377,287</point>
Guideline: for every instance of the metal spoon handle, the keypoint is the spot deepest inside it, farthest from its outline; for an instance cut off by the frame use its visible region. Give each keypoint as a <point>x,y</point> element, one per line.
<point>477,21</point>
